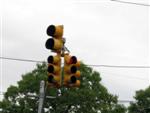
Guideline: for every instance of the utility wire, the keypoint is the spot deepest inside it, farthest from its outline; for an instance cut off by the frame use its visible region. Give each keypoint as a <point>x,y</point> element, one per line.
<point>118,66</point>
<point>25,60</point>
<point>111,66</point>
<point>134,3</point>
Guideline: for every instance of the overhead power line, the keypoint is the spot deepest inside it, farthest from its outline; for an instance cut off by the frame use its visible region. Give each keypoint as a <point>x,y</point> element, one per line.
<point>134,3</point>
<point>24,60</point>
<point>118,66</point>
<point>111,66</point>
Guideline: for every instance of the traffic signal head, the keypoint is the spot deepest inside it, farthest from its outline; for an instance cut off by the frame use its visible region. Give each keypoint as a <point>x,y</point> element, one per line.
<point>56,42</point>
<point>54,70</point>
<point>55,31</point>
<point>71,72</point>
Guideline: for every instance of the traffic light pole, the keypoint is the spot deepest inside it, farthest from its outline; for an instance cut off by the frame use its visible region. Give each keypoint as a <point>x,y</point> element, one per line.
<point>62,69</point>
<point>41,96</point>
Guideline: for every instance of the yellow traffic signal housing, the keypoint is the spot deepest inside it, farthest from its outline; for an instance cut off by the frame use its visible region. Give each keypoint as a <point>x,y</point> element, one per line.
<point>55,31</point>
<point>54,70</point>
<point>56,42</point>
<point>71,72</point>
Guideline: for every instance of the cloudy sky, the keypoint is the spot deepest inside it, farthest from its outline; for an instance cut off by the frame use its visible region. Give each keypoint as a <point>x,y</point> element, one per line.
<point>99,32</point>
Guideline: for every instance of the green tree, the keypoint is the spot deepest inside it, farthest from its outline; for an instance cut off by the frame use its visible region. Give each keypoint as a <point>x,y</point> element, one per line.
<point>91,97</point>
<point>142,103</point>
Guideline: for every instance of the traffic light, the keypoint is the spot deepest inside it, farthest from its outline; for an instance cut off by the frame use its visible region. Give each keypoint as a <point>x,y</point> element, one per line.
<point>71,72</point>
<point>54,70</point>
<point>56,42</point>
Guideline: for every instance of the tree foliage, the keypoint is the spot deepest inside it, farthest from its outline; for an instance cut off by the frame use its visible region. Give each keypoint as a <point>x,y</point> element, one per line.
<point>90,97</point>
<point>142,103</point>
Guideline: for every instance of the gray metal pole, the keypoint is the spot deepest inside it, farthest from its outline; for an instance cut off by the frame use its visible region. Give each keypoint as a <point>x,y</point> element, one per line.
<point>41,96</point>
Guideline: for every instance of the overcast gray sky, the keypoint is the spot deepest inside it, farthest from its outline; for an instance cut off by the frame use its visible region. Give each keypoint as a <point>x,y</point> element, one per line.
<point>97,32</point>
